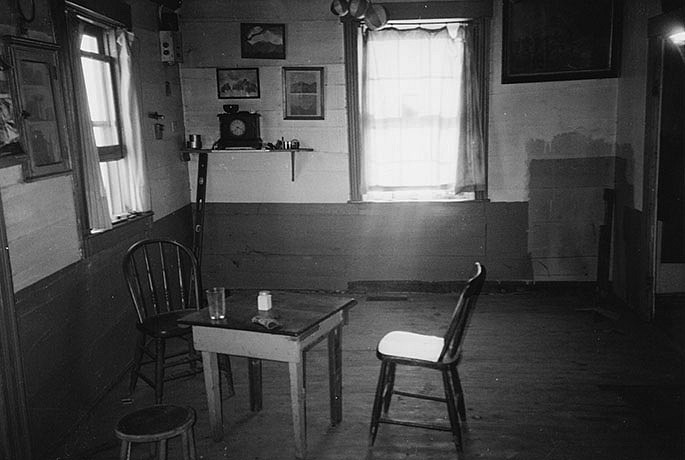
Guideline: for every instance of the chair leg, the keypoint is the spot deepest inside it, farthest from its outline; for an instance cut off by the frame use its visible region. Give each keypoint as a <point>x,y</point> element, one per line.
<point>125,452</point>
<point>160,349</point>
<point>378,402</point>
<point>187,445</point>
<point>389,387</point>
<point>137,358</point>
<point>461,405</point>
<point>451,410</point>
<point>191,443</point>
<point>225,367</point>
<point>192,354</point>
<point>162,449</point>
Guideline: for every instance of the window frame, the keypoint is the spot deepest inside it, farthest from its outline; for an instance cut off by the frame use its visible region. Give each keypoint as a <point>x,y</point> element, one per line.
<point>112,152</point>
<point>113,13</point>
<point>477,12</point>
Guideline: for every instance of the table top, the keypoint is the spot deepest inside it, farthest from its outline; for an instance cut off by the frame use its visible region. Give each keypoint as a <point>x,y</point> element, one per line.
<point>296,312</point>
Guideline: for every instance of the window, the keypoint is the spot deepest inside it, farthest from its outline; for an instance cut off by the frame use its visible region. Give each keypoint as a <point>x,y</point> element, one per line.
<point>97,63</point>
<point>112,172</point>
<point>410,105</point>
<point>416,110</point>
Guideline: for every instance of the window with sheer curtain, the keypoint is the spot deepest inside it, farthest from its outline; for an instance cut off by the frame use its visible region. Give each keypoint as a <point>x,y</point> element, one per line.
<point>97,62</point>
<point>410,107</point>
<point>114,179</point>
<point>421,126</point>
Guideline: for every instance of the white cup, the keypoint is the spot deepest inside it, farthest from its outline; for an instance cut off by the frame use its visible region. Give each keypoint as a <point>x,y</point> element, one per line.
<point>216,301</point>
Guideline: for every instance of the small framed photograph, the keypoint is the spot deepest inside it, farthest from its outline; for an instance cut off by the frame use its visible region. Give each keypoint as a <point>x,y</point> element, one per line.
<point>238,83</point>
<point>303,93</point>
<point>262,41</point>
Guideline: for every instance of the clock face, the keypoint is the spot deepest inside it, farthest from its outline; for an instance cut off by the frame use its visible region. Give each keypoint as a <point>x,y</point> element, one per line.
<point>237,127</point>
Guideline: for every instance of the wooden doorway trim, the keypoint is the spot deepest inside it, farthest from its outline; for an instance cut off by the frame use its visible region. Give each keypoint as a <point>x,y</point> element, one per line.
<point>15,439</point>
<point>659,28</point>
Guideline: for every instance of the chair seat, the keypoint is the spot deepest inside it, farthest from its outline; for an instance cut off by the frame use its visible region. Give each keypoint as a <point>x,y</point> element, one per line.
<point>155,423</point>
<point>165,325</point>
<point>412,346</point>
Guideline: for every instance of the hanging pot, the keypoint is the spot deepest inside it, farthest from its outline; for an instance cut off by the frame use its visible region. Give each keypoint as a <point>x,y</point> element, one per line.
<point>340,7</point>
<point>358,8</point>
<point>375,17</point>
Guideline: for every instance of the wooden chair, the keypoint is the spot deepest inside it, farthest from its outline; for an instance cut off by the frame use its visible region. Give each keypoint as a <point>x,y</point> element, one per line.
<point>430,352</point>
<point>157,424</point>
<point>164,281</point>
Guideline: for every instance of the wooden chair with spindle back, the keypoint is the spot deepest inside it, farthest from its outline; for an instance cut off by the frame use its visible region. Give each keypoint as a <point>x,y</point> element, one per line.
<point>430,352</point>
<point>164,281</point>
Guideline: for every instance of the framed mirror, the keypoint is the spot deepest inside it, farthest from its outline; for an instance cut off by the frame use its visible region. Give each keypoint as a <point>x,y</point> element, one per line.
<point>39,105</point>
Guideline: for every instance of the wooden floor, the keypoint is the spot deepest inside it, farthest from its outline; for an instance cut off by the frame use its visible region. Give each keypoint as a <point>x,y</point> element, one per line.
<point>545,377</point>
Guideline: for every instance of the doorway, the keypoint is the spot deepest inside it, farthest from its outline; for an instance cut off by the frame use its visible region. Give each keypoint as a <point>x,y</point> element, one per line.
<point>670,208</point>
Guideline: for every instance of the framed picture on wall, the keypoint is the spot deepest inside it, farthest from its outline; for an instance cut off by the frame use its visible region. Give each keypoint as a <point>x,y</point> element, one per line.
<point>238,83</point>
<point>303,93</point>
<point>545,40</point>
<point>262,41</point>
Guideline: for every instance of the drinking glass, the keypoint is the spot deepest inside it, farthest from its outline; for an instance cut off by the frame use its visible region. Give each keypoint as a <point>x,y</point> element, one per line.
<point>216,300</point>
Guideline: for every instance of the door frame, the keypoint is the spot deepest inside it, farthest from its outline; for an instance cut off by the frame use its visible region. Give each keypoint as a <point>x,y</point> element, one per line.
<point>15,438</point>
<point>659,28</point>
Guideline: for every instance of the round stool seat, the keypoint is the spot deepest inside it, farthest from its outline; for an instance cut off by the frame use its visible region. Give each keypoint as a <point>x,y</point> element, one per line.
<point>155,423</point>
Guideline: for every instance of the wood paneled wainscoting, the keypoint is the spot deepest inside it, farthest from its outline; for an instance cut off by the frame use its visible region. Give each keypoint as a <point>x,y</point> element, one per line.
<point>326,246</point>
<point>77,330</point>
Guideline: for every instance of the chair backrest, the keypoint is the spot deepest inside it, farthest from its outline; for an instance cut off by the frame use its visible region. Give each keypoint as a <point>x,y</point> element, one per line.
<point>461,315</point>
<point>162,276</point>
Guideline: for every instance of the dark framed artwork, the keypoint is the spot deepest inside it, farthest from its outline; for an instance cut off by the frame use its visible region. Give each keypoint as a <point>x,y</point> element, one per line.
<point>262,41</point>
<point>240,83</point>
<point>546,40</point>
<point>303,93</point>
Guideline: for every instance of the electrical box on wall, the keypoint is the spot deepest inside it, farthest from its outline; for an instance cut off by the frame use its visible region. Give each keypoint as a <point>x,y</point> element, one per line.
<point>170,46</point>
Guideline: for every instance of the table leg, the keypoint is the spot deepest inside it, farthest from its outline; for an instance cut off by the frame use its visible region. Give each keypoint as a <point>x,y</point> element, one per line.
<point>335,373</point>
<point>254,370</point>
<point>210,364</point>
<point>298,400</point>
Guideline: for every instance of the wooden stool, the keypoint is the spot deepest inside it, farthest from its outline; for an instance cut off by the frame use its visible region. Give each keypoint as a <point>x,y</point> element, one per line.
<point>157,424</point>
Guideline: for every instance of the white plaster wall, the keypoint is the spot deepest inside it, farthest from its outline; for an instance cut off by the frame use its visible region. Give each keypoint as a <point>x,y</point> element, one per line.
<point>166,172</point>
<point>519,113</point>
<point>313,38</point>
<point>41,225</point>
<point>524,112</point>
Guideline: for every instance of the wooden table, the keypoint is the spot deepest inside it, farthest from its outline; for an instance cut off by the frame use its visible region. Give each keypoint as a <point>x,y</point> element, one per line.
<point>306,320</point>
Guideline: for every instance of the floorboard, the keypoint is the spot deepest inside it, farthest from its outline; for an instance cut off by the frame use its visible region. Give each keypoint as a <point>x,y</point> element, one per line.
<point>546,376</point>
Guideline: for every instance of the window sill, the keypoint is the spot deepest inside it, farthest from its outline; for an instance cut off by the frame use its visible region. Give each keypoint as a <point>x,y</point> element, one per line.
<point>133,228</point>
<point>442,202</point>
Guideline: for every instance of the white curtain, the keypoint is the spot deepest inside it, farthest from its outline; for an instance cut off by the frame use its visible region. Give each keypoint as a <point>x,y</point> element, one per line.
<point>96,197</point>
<point>411,97</point>
<point>126,178</point>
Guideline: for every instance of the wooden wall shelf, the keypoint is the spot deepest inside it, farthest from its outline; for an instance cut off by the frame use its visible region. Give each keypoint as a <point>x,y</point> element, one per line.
<point>186,154</point>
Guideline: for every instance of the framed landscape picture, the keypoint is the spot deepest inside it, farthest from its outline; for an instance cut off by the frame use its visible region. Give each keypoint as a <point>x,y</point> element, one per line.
<point>303,93</point>
<point>546,40</point>
<point>238,83</point>
<point>262,41</point>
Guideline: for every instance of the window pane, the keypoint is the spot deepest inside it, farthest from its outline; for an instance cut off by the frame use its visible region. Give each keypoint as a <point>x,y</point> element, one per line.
<point>89,43</point>
<point>98,77</point>
<point>411,113</point>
